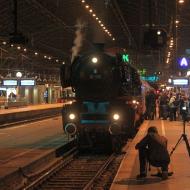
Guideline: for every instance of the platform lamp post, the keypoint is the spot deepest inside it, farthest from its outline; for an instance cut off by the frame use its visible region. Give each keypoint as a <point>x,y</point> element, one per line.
<point>18,75</point>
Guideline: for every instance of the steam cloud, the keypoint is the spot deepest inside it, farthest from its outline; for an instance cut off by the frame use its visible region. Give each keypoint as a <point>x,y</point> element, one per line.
<point>78,39</point>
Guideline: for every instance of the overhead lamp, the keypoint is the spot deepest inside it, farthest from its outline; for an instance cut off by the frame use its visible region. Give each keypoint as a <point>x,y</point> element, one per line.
<point>181,1</point>
<point>18,47</point>
<point>12,45</point>
<point>87,6</point>
<point>4,43</point>
<point>177,21</point>
<point>94,15</point>
<point>57,60</point>
<point>49,58</point>
<point>90,10</point>
<point>36,53</point>
<point>25,49</point>
<point>63,63</point>
<point>18,74</point>
<point>158,32</point>
<point>83,1</point>
<point>45,56</point>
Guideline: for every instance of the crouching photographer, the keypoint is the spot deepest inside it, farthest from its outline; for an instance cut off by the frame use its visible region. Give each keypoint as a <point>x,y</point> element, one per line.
<point>153,150</point>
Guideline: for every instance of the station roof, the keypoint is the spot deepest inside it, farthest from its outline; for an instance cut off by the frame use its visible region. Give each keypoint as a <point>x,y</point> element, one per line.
<point>50,27</point>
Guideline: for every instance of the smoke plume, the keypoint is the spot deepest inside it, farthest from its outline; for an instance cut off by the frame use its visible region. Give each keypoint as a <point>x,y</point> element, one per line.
<point>78,39</point>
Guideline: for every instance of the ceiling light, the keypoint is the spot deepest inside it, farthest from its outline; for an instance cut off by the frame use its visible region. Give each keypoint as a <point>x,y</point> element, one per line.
<point>158,32</point>
<point>36,53</point>
<point>19,74</point>
<point>181,1</point>
<point>87,6</point>
<point>4,43</point>
<point>18,47</point>
<point>25,49</point>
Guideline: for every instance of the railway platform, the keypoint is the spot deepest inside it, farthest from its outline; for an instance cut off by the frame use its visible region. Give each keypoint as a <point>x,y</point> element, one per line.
<point>23,114</point>
<point>125,178</point>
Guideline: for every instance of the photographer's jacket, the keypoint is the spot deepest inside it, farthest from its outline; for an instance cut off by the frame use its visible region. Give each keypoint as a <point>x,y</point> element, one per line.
<point>156,146</point>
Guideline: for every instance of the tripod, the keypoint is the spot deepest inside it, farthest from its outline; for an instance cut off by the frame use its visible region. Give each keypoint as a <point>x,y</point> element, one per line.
<point>182,137</point>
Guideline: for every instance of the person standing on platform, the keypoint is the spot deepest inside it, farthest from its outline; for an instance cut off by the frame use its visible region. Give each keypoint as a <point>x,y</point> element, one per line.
<point>163,106</point>
<point>150,101</point>
<point>153,149</point>
<point>173,108</point>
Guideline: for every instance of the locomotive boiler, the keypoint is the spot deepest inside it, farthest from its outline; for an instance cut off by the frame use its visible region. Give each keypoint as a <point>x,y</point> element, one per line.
<point>106,109</point>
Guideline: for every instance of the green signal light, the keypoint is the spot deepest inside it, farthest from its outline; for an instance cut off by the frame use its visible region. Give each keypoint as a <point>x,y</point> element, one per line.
<point>125,58</point>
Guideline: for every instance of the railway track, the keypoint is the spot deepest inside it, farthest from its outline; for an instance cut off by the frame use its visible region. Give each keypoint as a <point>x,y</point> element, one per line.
<point>75,172</point>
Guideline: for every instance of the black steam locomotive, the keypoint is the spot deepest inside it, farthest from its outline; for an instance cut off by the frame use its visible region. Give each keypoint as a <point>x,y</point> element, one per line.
<point>107,104</point>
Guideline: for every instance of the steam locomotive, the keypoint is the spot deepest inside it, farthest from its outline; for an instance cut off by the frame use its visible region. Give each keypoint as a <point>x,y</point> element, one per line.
<point>107,108</point>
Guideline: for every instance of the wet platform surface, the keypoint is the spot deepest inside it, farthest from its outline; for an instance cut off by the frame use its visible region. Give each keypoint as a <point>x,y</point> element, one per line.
<point>180,161</point>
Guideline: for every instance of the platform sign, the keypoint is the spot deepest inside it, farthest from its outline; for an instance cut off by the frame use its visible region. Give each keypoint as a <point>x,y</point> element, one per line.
<point>181,81</point>
<point>152,78</point>
<point>27,82</point>
<point>10,82</point>
<point>183,62</point>
<point>125,58</point>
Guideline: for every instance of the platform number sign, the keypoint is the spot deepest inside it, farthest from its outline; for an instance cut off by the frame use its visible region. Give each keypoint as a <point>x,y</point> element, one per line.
<point>125,58</point>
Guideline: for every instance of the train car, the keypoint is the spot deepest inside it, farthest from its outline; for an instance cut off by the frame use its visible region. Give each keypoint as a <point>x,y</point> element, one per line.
<point>108,97</point>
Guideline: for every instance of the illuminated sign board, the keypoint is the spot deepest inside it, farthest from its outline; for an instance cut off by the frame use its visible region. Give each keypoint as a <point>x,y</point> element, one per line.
<point>181,81</point>
<point>27,82</point>
<point>183,63</point>
<point>10,82</point>
<point>125,58</point>
<point>142,72</point>
<point>150,78</point>
<point>3,89</point>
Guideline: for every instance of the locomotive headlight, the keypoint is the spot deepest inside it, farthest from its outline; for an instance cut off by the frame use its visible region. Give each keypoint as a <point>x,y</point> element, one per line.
<point>72,116</point>
<point>94,60</point>
<point>116,116</point>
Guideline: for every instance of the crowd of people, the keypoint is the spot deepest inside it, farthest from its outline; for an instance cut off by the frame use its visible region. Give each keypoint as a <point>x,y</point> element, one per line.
<point>166,105</point>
